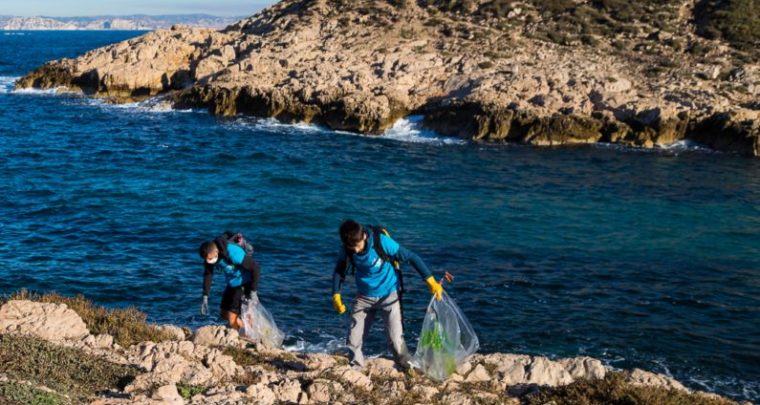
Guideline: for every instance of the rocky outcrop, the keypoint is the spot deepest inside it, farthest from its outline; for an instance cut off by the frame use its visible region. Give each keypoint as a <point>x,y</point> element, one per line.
<point>221,368</point>
<point>51,322</point>
<point>471,69</point>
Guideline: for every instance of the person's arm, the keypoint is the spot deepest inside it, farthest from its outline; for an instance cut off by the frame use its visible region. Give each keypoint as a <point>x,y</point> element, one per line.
<point>404,255</point>
<point>339,275</point>
<point>208,276</point>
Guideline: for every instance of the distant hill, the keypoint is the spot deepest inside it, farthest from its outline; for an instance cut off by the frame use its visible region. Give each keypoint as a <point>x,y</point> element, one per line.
<point>128,22</point>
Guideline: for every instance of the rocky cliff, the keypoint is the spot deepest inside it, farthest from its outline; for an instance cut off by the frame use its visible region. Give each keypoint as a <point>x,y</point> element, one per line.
<point>49,352</point>
<point>538,72</point>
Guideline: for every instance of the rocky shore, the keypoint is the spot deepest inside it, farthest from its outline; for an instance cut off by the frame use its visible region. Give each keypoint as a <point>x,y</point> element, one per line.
<point>542,73</point>
<point>47,348</point>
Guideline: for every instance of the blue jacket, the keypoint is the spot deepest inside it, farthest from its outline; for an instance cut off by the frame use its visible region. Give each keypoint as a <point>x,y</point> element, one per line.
<point>239,269</point>
<point>374,277</point>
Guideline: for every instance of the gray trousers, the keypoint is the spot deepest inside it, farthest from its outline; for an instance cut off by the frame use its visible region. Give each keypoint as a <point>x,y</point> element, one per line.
<point>363,313</point>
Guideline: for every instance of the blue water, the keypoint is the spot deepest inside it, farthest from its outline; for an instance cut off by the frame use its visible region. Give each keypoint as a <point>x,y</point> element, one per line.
<point>642,258</point>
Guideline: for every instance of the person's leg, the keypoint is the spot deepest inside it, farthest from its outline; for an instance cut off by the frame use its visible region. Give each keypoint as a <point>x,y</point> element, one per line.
<point>231,303</point>
<point>234,321</point>
<point>362,315</point>
<point>391,308</point>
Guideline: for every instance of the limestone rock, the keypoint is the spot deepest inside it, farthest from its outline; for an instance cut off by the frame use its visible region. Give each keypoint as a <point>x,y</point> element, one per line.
<point>323,390</point>
<point>645,378</point>
<point>584,367</point>
<point>52,322</point>
<point>478,374</point>
<point>176,332</point>
<point>288,391</point>
<point>214,335</point>
<point>543,371</point>
<point>169,395</point>
<point>261,394</point>
<point>353,377</point>
<point>384,368</point>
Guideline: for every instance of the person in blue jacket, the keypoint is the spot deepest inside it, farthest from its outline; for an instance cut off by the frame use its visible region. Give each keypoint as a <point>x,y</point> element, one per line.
<point>241,273</point>
<point>378,286</point>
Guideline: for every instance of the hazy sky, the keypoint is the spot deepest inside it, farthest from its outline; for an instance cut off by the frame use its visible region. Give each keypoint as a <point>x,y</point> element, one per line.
<point>70,8</point>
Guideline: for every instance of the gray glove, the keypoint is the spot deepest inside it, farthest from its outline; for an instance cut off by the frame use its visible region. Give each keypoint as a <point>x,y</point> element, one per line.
<point>204,305</point>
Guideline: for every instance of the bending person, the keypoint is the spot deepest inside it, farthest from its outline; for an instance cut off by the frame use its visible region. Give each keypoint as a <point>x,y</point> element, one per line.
<point>241,273</point>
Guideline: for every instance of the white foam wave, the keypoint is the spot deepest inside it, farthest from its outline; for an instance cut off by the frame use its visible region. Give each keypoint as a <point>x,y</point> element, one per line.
<point>157,104</point>
<point>272,124</point>
<point>6,83</point>
<point>407,129</point>
<point>327,344</point>
<point>672,149</point>
<point>410,129</point>
<point>684,145</point>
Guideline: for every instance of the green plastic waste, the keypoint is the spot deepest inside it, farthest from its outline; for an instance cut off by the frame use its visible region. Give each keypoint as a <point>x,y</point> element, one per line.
<point>446,339</point>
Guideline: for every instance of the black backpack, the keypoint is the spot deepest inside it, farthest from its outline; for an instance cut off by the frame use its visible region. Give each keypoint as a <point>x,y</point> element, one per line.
<point>238,239</point>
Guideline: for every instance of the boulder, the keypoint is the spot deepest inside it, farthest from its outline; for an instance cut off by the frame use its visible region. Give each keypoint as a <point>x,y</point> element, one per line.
<point>353,377</point>
<point>168,395</point>
<point>261,394</point>
<point>584,367</point>
<point>322,390</point>
<point>478,374</point>
<point>645,378</point>
<point>176,332</point>
<point>214,335</point>
<point>543,371</point>
<point>52,322</point>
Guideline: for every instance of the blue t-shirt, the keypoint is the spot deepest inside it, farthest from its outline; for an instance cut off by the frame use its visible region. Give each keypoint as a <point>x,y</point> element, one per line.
<point>375,278</point>
<point>233,275</point>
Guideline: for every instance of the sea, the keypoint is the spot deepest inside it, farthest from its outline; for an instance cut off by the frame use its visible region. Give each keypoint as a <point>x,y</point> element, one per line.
<point>641,258</point>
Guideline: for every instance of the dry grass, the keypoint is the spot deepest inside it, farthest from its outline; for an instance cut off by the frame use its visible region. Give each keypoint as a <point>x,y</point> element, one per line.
<point>63,369</point>
<point>127,326</point>
<point>613,390</point>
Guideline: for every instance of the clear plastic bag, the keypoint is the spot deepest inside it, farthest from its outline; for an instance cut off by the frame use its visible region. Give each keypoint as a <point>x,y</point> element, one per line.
<point>259,325</point>
<point>446,339</point>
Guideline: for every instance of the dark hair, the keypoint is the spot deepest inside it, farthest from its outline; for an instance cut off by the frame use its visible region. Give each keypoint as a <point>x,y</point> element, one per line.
<point>206,248</point>
<point>351,233</point>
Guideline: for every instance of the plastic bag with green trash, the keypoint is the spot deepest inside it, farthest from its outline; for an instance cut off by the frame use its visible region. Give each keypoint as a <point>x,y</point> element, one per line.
<point>446,339</point>
<point>259,325</point>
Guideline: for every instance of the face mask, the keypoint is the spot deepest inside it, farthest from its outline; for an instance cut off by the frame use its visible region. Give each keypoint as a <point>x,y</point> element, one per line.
<point>213,261</point>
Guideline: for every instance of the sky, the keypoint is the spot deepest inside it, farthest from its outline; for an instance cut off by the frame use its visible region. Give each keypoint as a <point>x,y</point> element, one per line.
<point>76,8</point>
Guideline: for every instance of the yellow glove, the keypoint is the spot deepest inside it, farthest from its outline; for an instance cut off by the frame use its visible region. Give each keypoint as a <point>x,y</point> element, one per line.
<point>338,304</point>
<point>435,287</point>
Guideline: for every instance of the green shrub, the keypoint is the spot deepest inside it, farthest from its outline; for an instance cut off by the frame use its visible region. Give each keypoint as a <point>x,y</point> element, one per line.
<point>189,391</point>
<point>736,21</point>
<point>23,394</point>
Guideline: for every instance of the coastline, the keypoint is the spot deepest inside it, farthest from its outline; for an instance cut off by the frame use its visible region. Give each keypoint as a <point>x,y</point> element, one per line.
<point>166,364</point>
<point>295,62</point>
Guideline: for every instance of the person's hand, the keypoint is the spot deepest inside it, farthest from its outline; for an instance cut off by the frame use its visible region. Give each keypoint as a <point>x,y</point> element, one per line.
<point>435,288</point>
<point>204,305</point>
<point>338,304</point>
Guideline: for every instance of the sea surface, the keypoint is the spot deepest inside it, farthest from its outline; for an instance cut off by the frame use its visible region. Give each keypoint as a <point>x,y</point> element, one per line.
<point>645,259</point>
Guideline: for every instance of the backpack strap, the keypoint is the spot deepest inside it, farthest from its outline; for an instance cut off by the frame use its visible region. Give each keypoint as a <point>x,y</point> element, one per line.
<point>377,231</point>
